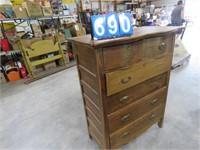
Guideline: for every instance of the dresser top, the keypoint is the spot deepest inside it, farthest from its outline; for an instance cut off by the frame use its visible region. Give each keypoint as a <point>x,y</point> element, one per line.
<point>139,33</point>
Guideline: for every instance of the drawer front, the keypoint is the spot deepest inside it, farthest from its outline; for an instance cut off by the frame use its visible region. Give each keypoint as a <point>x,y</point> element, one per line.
<point>134,93</point>
<point>117,81</point>
<point>126,134</point>
<point>121,56</point>
<point>135,110</point>
<point>156,47</point>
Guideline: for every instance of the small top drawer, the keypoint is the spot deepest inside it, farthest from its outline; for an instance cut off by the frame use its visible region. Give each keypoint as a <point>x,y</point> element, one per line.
<point>156,47</point>
<point>121,56</point>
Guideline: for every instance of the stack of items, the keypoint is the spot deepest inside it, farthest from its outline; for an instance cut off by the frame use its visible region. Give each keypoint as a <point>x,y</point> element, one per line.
<point>14,69</point>
<point>25,10</point>
<point>6,11</point>
<point>57,7</point>
<point>8,38</point>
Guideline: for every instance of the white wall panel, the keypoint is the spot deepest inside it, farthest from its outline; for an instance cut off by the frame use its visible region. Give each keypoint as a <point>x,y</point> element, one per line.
<point>165,2</point>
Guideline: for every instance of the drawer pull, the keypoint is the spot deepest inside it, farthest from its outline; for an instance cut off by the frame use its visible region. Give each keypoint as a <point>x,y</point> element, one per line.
<point>154,101</point>
<point>124,99</point>
<point>162,46</point>
<point>125,134</point>
<point>125,118</point>
<point>153,116</point>
<point>126,80</point>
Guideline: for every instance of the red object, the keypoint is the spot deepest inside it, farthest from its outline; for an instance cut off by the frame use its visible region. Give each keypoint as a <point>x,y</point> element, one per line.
<point>13,74</point>
<point>4,45</point>
<point>2,16</point>
<point>23,72</point>
<point>11,32</point>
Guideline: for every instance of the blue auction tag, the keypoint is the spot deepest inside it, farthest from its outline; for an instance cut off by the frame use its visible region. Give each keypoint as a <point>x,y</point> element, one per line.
<point>112,25</point>
<point>125,24</point>
<point>99,26</point>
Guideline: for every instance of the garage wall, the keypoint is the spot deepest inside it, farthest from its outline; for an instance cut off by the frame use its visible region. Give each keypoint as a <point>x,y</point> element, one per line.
<point>159,3</point>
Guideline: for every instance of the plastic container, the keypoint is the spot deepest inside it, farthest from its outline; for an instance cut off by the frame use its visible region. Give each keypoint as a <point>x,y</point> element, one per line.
<point>150,23</point>
<point>13,74</point>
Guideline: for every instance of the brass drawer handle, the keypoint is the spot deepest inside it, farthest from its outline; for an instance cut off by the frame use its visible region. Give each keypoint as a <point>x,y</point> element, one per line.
<point>125,134</point>
<point>154,101</point>
<point>153,116</point>
<point>125,118</point>
<point>126,80</point>
<point>124,99</point>
<point>162,46</point>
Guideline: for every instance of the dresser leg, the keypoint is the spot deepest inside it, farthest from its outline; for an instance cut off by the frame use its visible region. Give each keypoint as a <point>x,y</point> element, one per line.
<point>90,136</point>
<point>160,123</point>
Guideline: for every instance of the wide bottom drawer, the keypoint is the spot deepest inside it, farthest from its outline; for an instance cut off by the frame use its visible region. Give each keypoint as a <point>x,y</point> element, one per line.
<point>136,128</point>
<point>132,112</point>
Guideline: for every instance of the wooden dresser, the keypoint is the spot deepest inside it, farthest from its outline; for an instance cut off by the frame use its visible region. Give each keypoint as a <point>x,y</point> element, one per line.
<point>124,83</point>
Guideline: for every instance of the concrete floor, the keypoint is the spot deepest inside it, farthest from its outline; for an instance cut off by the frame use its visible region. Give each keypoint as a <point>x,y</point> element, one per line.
<point>49,114</point>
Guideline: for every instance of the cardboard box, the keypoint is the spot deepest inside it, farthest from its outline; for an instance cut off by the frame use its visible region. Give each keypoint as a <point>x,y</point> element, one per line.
<point>44,2</point>
<point>47,11</point>
<point>38,34</point>
<point>15,46</point>
<point>38,69</point>
<point>49,37</point>
<point>49,65</point>
<point>77,30</point>
<point>50,31</point>
<point>20,12</point>
<point>33,9</point>
<point>61,37</point>
<point>13,41</point>
<point>66,58</point>
<point>1,35</point>
<point>3,10</point>
<point>37,30</point>
<point>2,78</point>
<point>84,5</point>
<point>11,26</point>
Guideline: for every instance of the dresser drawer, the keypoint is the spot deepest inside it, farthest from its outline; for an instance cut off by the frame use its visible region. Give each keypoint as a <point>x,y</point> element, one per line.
<point>156,47</point>
<point>126,134</point>
<point>117,81</point>
<point>124,98</point>
<point>121,56</point>
<point>135,110</point>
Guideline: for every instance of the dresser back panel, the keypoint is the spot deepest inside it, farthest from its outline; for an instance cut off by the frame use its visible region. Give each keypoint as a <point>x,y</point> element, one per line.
<point>93,108</point>
<point>89,78</point>
<point>96,135</point>
<point>86,58</point>
<point>89,92</point>
<point>94,119</point>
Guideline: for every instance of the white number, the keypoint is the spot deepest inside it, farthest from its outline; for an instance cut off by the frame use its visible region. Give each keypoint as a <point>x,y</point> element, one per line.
<point>122,20</point>
<point>112,23</point>
<point>99,28</point>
